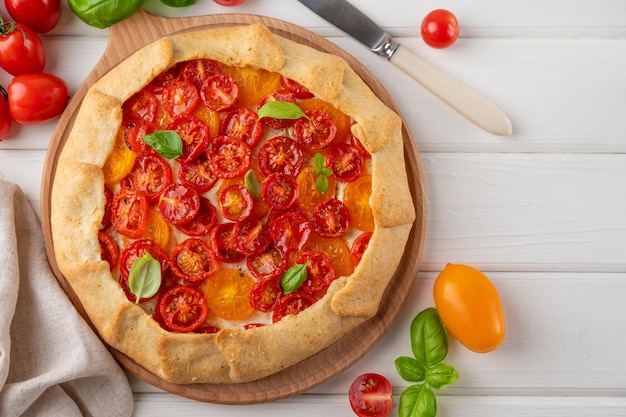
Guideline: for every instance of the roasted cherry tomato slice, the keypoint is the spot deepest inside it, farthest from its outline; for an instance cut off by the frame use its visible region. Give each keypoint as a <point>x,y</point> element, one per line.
<point>290,231</point>
<point>109,250</point>
<point>229,157</point>
<point>197,174</point>
<point>319,271</point>
<point>251,236</point>
<point>235,202</point>
<point>346,161</point>
<point>134,137</point>
<point>221,238</point>
<point>219,92</point>
<point>157,229</point>
<point>371,396</point>
<point>337,251</point>
<point>141,107</point>
<point>119,162</point>
<point>129,212</point>
<point>359,246</point>
<point>279,191</point>
<point>204,220</point>
<point>183,309</point>
<point>440,28</point>
<point>279,95</point>
<point>357,143</point>
<point>197,71</point>
<point>207,329</point>
<point>296,88</point>
<point>254,84</point>
<point>108,202</point>
<point>269,264</point>
<point>342,121</point>
<point>192,260</point>
<point>179,204</point>
<point>180,97</point>
<point>356,196</point>
<point>281,154</point>
<point>227,294</point>
<point>293,303</point>
<point>194,133</point>
<point>315,132</point>
<point>331,218</point>
<point>309,195</point>
<point>265,294</point>
<point>136,250</point>
<point>150,174</point>
<point>160,81</point>
<point>242,123</point>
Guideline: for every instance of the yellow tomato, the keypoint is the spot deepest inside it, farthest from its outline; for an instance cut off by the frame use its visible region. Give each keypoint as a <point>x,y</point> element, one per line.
<point>157,229</point>
<point>120,162</point>
<point>254,84</point>
<point>336,250</point>
<point>470,307</point>
<point>308,194</point>
<point>356,196</point>
<point>227,294</point>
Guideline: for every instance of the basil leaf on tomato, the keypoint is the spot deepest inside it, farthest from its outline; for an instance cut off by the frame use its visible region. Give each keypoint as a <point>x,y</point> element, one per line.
<point>252,184</point>
<point>104,13</point>
<point>144,278</point>
<point>429,339</point>
<point>168,143</point>
<point>418,401</point>
<point>293,278</point>
<point>281,110</point>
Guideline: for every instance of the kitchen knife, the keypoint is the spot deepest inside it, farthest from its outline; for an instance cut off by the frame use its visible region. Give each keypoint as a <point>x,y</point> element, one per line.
<point>458,96</point>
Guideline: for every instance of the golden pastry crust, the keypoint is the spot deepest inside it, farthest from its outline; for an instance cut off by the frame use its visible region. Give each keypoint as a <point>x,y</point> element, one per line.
<point>232,355</point>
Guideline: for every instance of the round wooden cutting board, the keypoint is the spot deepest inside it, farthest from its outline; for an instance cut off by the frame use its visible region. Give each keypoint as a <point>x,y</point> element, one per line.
<point>137,31</point>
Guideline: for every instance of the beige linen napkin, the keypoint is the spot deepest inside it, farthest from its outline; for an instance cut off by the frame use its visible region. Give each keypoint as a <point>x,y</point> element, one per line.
<point>51,363</point>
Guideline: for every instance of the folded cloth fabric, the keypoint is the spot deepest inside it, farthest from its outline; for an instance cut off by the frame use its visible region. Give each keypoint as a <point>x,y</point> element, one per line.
<point>51,362</point>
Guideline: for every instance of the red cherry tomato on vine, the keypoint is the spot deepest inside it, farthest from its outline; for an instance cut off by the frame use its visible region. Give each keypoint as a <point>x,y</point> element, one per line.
<point>440,28</point>
<point>229,2</point>
<point>36,97</point>
<point>371,396</point>
<point>40,15</point>
<point>5,116</point>
<point>21,49</point>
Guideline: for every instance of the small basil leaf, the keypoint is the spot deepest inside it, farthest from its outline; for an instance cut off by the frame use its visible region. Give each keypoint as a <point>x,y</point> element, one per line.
<point>166,142</point>
<point>178,3</point>
<point>252,184</point>
<point>429,339</point>
<point>144,278</point>
<point>321,183</point>
<point>293,278</point>
<point>281,110</point>
<point>104,13</point>
<point>418,401</point>
<point>319,161</point>
<point>441,376</point>
<point>410,369</point>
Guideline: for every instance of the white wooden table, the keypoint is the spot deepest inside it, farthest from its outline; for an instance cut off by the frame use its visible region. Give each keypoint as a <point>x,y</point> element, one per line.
<point>542,213</point>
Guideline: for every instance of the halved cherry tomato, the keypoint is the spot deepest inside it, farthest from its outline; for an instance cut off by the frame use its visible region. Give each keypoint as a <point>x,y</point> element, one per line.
<point>197,71</point>
<point>183,309</point>
<point>21,49</point>
<point>371,396</point>
<point>197,174</point>
<point>356,196</point>
<point>194,133</point>
<point>160,81</point>
<point>269,264</point>
<point>179,204</point>
<point>359,246</point>
<point>290,231</point>
<point>440,28</point>
<point>265,294</point>
<point>192,260</point>
<point>136,250</point>
<point>222,244</point>
<point>251,236</point>
<point>157,229</point>
<point>40,15</point>
<point>180,97</point>
<point>129,212</point>
<point>281,154</point>
<point>150,174</point>
<point>292,303</point>
<point>36,97</point>
<point>134,137</point>
<point>357,143</point>
<point>140,107</point>
<point>278,95</point>
<point>342,120</point>
<point>337,251</point>
<point>235,202</point>
<point>279,191</point>
<point>309,195</point>
<point>319,271</point>
<point>229,157</point>
<point>242,123</point>
<point>346,161</point>
<point>315,132</point>
<point>109,250</point>
<point>470,307</point>
<point>227,294</point>
<point>202,223</point>
<point>331,218</point>
<point>219,92</point>
<point>296,88</point>
<point>254,84</point>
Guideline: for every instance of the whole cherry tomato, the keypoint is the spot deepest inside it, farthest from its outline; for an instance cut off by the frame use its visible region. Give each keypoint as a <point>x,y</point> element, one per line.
<point>440,28</point>
<point>21,49</point>
<point>5,116</point>
<point>40,15</point>
<point>36,97</point>
<point>371,396</point>
<point>470,307</point>
<point>229,2</point>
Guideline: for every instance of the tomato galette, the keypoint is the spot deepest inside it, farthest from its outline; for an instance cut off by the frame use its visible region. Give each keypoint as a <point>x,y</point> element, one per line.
<point>229,203</point>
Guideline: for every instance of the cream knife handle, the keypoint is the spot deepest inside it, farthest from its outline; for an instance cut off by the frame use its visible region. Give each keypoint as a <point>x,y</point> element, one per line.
<point>458,96</point>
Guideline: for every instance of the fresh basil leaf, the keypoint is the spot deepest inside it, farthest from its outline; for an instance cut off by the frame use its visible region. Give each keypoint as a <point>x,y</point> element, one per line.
<point>429,339</point>
<point>178,3</point>
<point>252,184</point>
<point>144,278</point>
<point>281,110</point>
<point>418,401</point>
<point>321,183</point>
<point>410,369</point>
<point>104,13</point>
<point>168,143</point>
<point>293,278</point>
<point>441,376</point>
<point>319,161</point>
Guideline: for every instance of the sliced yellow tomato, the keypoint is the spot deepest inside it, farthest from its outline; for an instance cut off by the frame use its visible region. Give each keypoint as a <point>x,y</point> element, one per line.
<point>308,194</point>
<point>210,117</point>
<point>356,196</point>
<point>342,121</point>
<point>157,229</point>
<point>120,162</point>
<point>336,250</point>
<point>254,84</point>
<point>227,292</point>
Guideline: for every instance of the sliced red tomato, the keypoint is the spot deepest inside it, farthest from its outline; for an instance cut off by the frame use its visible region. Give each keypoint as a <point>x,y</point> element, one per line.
<point>371,396</point>
<point>183,309</point>
<point>136,250</point>
<point>229,157</point>
<point>108,202</point>
<point>129,212</point>
<point>265,294</point>
<point>197,71</point>
<point>331,218</point>
<point>109,251</point>
<point>197,174</point>
<point>179,204</point>
<point>293,303</point>
<point>134,137</point>
<point>251,236</point>
<point>192,260</point>
<point>160,81</point>
<point>150,174</point>
<point>281,154</point>
<point>235,202</point>
<point>279,191</point>
<point>221,240</point>
<point>319,271</point>
<point>180,97</point>
<point>204,220</point>
<point>269,264</point>
<point>296,88</point>
<point>315,132</point>
<point>342,121</point>
<point>357,143</point>
<point>359,245</point>
<point>290,231</point>
<point>227,294</point>
<point>278,95</point>
<point>346,161</point>
<point>242,123</point>
<point>356,196</point>
<point>141,107</point>
<point>219,92</point>
<point>194,133</point>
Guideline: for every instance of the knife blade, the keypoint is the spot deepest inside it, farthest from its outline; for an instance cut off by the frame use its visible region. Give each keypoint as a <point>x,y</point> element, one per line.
<point>461,98</point>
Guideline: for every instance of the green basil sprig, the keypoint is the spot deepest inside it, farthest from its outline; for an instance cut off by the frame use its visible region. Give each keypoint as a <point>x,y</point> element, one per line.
<point>168,143</point>
<point>281,110</point>
<point>104,13</point>
<point>323,172</point>
<point>144,278</point>
<point>294,277</point>
<point>429,344</point>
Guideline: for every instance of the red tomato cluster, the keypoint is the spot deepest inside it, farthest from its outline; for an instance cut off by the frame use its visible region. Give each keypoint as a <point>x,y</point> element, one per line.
<point>32,95</point>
